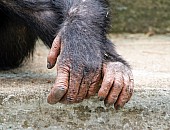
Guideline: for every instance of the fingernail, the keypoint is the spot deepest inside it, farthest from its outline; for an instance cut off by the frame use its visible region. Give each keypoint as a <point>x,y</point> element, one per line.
<point>49,65</point>
<point>101,98</point>
<point>61,88</point>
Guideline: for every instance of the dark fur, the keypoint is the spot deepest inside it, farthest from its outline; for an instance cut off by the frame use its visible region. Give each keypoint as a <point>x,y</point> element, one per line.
<point>83,25</point>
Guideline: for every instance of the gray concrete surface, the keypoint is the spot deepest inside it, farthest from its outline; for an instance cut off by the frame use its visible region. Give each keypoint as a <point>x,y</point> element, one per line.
<point>23,93</point>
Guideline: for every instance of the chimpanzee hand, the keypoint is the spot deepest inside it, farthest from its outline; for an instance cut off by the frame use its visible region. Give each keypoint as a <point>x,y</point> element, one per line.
<point>117,85</point>
<point>79,47</point>
<point>78,69</point>
<point>73,87</point>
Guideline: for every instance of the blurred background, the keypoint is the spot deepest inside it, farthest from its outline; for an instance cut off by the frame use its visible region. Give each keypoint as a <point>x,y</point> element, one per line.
<point>140,16</point>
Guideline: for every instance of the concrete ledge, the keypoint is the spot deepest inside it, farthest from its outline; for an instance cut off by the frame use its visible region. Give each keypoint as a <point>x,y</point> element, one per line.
<point>23,93</point>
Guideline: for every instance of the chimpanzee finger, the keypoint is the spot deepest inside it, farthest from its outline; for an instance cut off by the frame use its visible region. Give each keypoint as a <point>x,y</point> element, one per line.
<point>54,52</point>
<point>107,83</point>
<point>129,72</point>
<point>60,87</point>
<point>94,87</point>
<point>83,90</point>
<point>126,92</point>
<point>115,90</point>
<point>74,87</point>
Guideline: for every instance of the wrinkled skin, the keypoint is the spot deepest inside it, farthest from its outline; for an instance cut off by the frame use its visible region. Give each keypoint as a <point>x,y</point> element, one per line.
<point>116,88</point>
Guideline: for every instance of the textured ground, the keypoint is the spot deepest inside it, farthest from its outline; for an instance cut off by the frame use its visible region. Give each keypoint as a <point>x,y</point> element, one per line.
<point>23,93</point>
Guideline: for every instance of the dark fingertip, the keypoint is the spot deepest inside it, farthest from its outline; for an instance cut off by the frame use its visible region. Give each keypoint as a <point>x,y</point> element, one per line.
<point>50,100</point>
<point>118,107</point>
<point>101,98</point>
<point>49,66</point>
<point>55,95</point>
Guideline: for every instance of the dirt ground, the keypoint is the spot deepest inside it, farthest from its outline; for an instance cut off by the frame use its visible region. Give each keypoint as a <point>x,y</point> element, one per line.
<point>23,92</point>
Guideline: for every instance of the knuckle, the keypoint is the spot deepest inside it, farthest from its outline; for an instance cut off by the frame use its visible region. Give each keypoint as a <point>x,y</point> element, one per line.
<point>126,80</point>
<point>119,76</point>
<point>89,69</point>
<point>107,84</point>
<point>118,85</point>
<point>63,68</point>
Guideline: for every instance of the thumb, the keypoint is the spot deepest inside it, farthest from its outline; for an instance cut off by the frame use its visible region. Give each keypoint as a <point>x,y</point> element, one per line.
<point>54,52</point>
